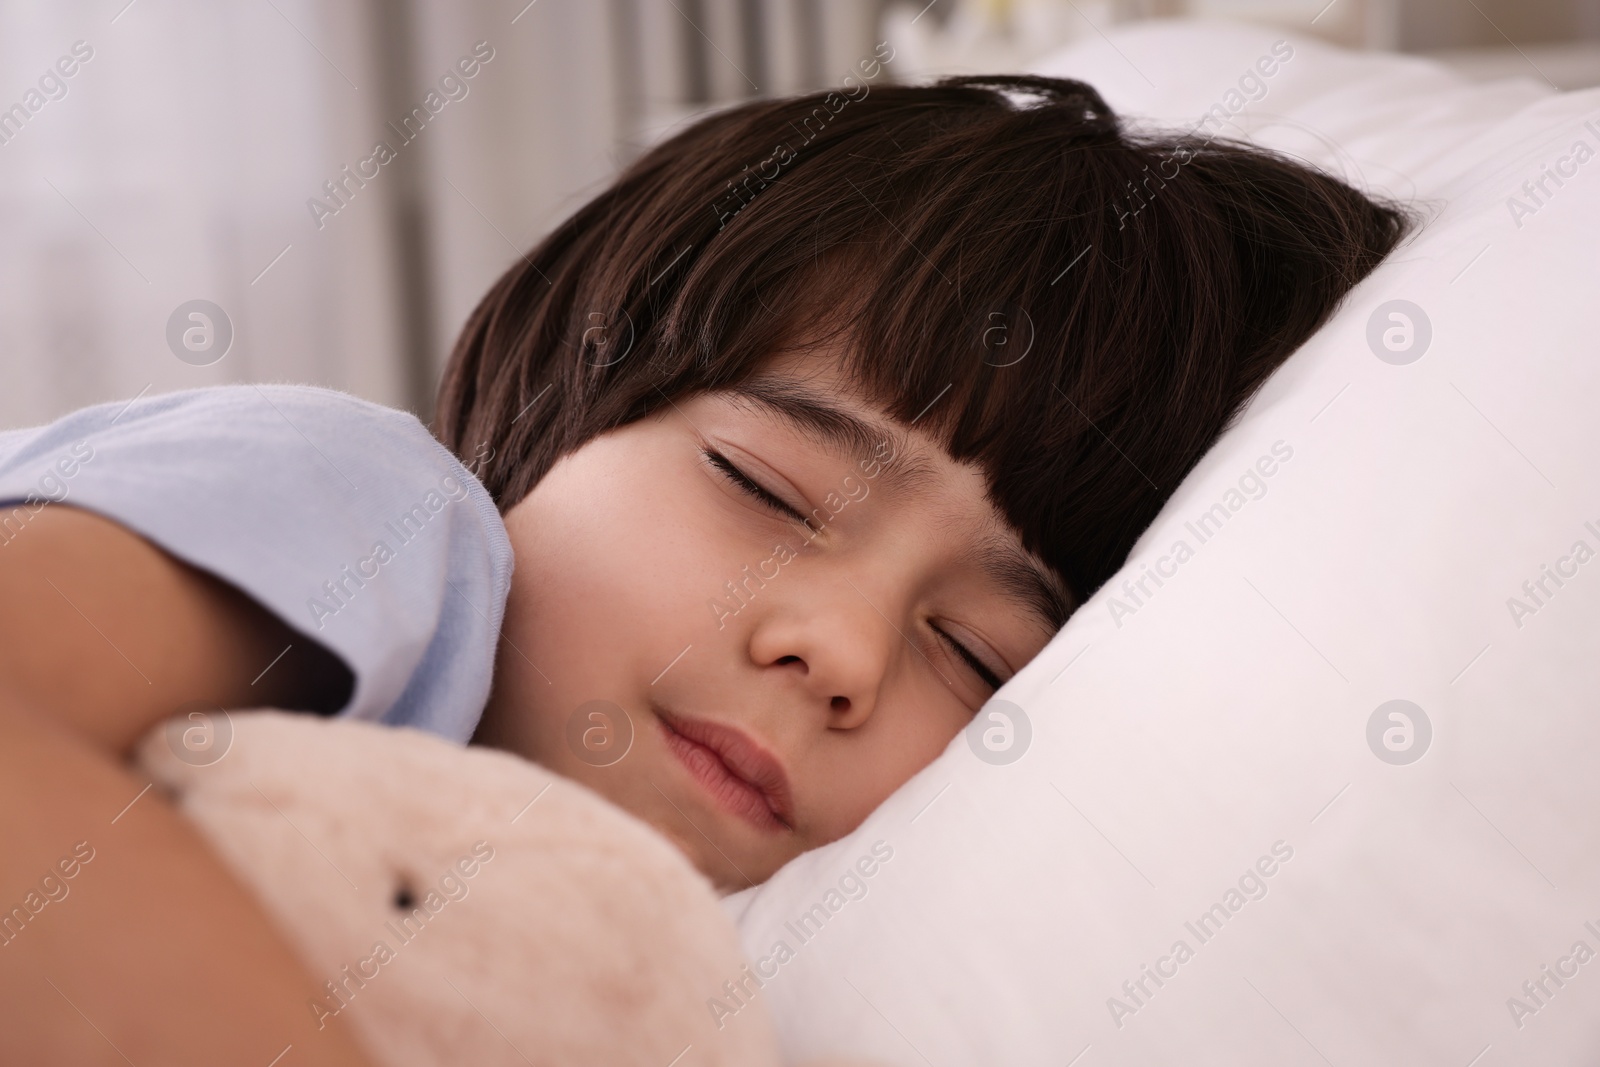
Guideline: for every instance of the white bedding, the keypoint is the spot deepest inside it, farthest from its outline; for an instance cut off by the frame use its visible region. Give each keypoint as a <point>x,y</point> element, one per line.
<point>1218,740</point>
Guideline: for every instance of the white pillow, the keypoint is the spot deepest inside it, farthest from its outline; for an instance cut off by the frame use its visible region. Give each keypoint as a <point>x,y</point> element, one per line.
<point>1236,718</point>
<point>1384,122</point>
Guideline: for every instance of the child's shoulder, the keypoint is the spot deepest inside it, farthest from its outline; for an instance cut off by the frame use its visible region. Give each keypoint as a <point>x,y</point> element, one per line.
<point>256,401</point>
<point>249,415</point>
<point>344,517</point>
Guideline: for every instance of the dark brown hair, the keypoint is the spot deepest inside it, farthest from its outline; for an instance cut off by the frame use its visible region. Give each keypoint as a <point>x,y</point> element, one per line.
<point>1154,282</point>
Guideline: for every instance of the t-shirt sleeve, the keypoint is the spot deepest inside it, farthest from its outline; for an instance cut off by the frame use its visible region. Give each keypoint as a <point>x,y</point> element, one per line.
<point>345,518</point>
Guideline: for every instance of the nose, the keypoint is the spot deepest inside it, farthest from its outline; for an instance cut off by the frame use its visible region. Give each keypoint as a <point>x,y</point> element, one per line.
<point>837,647</point>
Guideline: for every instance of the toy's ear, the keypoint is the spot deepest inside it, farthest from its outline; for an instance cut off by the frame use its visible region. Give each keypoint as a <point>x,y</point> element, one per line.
<point>451,921</point>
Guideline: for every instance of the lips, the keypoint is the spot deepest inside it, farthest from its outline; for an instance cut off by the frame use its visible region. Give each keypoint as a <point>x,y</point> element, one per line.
<point>740,775</point>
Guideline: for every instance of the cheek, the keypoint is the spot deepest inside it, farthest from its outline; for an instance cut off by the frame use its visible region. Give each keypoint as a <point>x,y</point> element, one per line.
<point>616,560</point>
<point>627,543</point>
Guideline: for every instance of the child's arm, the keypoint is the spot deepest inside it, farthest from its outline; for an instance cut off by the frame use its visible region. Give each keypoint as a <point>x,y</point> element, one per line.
<point>155,954</point>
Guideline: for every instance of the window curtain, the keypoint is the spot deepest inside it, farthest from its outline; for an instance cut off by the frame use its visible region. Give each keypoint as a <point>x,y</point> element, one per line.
<point>338,181</point>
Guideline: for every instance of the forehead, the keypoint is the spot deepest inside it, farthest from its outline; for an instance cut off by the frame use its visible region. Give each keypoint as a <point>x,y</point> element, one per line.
<point>823,406</point>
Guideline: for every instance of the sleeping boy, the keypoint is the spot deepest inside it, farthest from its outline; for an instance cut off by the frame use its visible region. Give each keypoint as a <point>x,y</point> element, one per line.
<point>791,491</point>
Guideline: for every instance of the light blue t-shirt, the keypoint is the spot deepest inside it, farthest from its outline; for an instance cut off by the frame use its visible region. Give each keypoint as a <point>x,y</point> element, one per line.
<point>345,518</point>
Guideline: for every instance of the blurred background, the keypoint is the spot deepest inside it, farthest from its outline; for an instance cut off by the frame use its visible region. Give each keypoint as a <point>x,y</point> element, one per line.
<point>285,190</point>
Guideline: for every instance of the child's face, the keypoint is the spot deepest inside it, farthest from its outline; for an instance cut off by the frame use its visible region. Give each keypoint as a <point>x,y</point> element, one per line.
<point>647,579</point>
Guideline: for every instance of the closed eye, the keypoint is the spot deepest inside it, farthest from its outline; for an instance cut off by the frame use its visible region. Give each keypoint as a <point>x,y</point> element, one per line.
<point>988,676</point>
<point>750,486</point>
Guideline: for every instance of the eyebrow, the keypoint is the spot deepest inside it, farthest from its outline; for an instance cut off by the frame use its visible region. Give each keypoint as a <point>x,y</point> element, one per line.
<point>1018,575</point>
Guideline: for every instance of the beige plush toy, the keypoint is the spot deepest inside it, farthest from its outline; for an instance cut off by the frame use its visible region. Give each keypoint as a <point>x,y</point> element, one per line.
<point>463,905</point>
